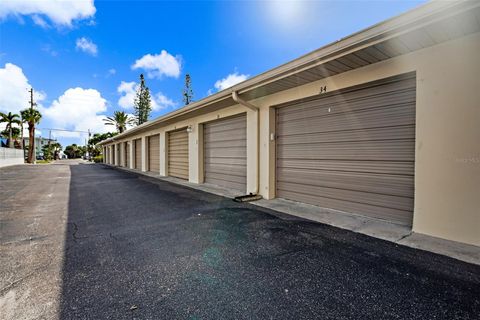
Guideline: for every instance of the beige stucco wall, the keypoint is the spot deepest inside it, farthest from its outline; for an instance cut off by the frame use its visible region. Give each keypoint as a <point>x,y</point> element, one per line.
<point>447,168</point>
<point>448,142</point>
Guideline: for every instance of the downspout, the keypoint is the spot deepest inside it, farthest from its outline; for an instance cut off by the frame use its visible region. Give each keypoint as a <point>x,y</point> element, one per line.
<point>247,104</point>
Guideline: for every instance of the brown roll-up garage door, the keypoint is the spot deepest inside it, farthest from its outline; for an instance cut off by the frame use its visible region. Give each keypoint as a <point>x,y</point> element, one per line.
<point>126,145</point>
<point>138,153</point>
<point>117,156</point>
<point>178,154</point>
<point>154,153</point>
<point>225,152</point>
<point>352,150</point>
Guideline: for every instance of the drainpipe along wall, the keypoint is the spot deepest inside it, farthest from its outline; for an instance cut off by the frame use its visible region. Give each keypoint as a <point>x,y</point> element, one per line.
<point>252,107</point>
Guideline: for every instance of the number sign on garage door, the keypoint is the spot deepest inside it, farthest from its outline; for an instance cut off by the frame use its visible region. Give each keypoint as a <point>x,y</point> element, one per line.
<point>352,150</point>
<point>225,152</point>
<point>178,154</point>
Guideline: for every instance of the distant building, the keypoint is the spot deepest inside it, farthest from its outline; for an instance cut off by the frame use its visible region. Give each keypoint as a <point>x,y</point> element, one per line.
<point>39,143</point>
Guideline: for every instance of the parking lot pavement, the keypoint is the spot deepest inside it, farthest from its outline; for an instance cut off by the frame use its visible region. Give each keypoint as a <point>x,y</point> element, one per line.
<point>124,246</point>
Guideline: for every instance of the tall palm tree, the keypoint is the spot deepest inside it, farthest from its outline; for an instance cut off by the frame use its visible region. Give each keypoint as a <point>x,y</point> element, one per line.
<point>120,120</point>
<point>10,119</point>
<point>31,117</point>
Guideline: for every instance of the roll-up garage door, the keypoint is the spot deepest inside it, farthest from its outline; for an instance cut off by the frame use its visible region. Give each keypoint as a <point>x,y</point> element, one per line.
<point>154,153</point>
<point>113,154</point>
<point>225,152</point>
<point>127,154</point>
<point>117,156</point>
<point>178,154</point>
<point>351,150</point>
<point>138,153</point>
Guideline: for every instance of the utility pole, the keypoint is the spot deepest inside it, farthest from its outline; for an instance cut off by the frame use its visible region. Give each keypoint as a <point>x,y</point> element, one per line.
<point>22,139</point>
<point>32,143</point>
<point>88,145</point>
<point>49,141</point>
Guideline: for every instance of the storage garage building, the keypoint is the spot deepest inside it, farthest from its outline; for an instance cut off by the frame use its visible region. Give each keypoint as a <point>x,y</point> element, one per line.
<point>384,123</point>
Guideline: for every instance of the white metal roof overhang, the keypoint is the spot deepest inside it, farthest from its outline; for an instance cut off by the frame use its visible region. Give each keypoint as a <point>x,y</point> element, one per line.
<point>428,25</point>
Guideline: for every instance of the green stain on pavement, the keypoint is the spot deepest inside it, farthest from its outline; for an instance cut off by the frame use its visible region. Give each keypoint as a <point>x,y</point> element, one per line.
<point>212,257</point>
<point>219,236</point>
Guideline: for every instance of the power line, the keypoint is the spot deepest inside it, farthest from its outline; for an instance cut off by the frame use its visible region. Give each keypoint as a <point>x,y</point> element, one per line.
<point>65,130</point>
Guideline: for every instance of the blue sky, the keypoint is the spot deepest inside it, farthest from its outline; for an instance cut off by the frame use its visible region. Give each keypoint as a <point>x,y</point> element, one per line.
<point>84,57</point>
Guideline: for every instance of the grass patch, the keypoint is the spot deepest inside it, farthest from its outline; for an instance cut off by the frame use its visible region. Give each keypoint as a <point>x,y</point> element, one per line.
<point>43,161</point>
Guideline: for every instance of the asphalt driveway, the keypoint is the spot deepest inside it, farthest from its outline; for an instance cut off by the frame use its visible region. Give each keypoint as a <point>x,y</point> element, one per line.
<point>81,241</point>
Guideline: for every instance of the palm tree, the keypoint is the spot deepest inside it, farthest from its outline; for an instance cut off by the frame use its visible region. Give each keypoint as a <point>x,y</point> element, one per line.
<point>56,147</point>
<point>10,119</point>
<point>15,134</point>
<point>120,120</point>
<point>31,117</point>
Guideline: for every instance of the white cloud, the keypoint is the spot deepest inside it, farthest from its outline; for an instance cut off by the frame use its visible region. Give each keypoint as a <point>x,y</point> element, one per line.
<point>162,102</point>
<point>87,46</point>
<point>230,80</point>
<point>39,21</point>
<point>60,12</point>
<point>112,71</point>
<point>14,86</point>
<point>127,91</point>
<point>77,109</point>
<point>158,65</point>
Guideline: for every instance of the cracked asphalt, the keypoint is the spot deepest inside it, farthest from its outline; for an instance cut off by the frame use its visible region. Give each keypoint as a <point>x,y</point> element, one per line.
<point>83,241</point>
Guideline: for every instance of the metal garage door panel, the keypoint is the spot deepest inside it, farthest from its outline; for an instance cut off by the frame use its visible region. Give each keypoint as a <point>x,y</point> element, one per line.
<point>178,154</point>
<point>399,115</point>
<point>138,154</point>
<point>127,154</point>
<point>118,157</point>
<point>225,152</point>
<point>379,96</point>
<point>154,153</point>
<point>352,150</point>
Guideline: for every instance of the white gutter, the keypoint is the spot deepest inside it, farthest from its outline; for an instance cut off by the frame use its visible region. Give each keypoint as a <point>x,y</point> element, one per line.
<point>252,107</point>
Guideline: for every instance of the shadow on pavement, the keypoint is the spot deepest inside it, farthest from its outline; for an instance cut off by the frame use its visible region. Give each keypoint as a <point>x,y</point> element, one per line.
<point>138,248</point>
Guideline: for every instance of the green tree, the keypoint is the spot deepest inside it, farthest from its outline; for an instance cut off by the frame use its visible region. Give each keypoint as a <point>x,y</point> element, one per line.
<point>57,147</point>
<point>120,120</point>
<point>10,119</point>
<point>97,137</point>
<point>47,152</point>
<point>142,102</point>
<point>31,117</point>
<point>51,151</point>
<point>74,151</point>
<point>15,133</point>
<point>82,150</point>
<point>187,90</point>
